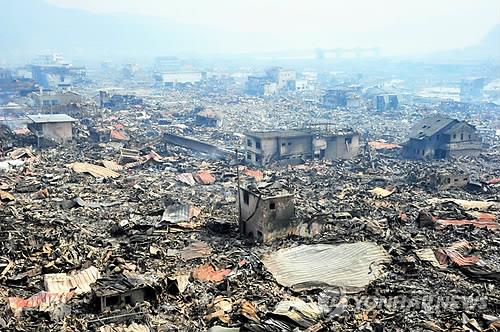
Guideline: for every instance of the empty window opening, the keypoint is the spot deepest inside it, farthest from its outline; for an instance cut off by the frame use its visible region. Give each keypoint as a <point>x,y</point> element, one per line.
<point>258,145</point>
<point>246,198</point>
<point>112,300</point>
<point>272,206</point>
<point>461,137</point>
<point>128,299</point>
<point>249,142</point>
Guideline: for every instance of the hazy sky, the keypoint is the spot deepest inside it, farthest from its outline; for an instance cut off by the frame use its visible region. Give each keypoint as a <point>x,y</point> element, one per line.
<point>398,26</point>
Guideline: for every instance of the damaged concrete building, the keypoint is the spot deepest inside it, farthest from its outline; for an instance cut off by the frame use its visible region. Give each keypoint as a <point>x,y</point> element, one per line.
<point>266,213</point>
<point>57,127</point>
<point>293,146</point>
<point>50,99</point>
<point>438,137</point>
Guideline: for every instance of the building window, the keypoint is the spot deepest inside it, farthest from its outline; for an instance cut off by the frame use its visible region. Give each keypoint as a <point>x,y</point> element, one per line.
<point>258,159</point>
<point>348,140</point>
<point>249,156</point>
<point>112,300</point>
<point>258,145</point>
<point>249,142</point>
<point>272,206</point>
<point>289,143</point>
<point>448,180</point>
<point>283,144</point>
<point>454,136</point>
<point>423,152</point>
<point>128,299</point>
<point>246,197</point>
<point>462,137</point>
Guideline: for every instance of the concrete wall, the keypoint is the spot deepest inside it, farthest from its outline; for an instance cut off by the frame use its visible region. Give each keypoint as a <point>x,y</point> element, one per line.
<point>194,144</point>
<point>262,218</point>
<point>295,146</point>
<point>61,132</point>
<point>341,147</point>
<point>262,155</point>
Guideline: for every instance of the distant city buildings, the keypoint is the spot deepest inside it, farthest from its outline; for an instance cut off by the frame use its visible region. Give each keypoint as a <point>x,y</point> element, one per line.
<point>52,72</point>
<point>274,81</point>
<point>471,90</point>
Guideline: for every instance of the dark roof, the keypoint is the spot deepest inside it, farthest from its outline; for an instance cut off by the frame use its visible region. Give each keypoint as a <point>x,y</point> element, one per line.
<point>278,133</point>
<point>430,125</point>
<point>45,118</point>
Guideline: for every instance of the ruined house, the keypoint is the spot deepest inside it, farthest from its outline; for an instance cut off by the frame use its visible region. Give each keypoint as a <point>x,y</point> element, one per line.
<point>447,179</point>
<point>57,127</point>
<point>266,213</point>
<point>438,137</point>
<point>126,289</point>
<point>293,146</point>
<point>208,118</point>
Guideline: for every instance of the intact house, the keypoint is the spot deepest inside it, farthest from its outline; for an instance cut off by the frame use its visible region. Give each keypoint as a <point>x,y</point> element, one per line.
<point>56,127</point>
<point>438,137</point>
<point>266,213</point>
<point>293,146</point>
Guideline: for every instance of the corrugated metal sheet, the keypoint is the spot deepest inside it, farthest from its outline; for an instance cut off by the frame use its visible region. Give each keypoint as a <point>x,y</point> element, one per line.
<point>186,178</point>
<point>465,204</point>
<point>94,170</point>
<point>256,174</point>
<point>196,249</point>
<point>180,213</point>
<point>379,145</point>
<point>41,300</point>
<point>62,282</point>
<point>112,165</point>
<point>204,178</point>
<point>351,266</point>
<point>134,327</point>
<point>477,223</point>
<point>302,313</point>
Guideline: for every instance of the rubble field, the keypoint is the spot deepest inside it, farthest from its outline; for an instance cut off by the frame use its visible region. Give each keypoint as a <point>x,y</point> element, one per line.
<point>139,235</point>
